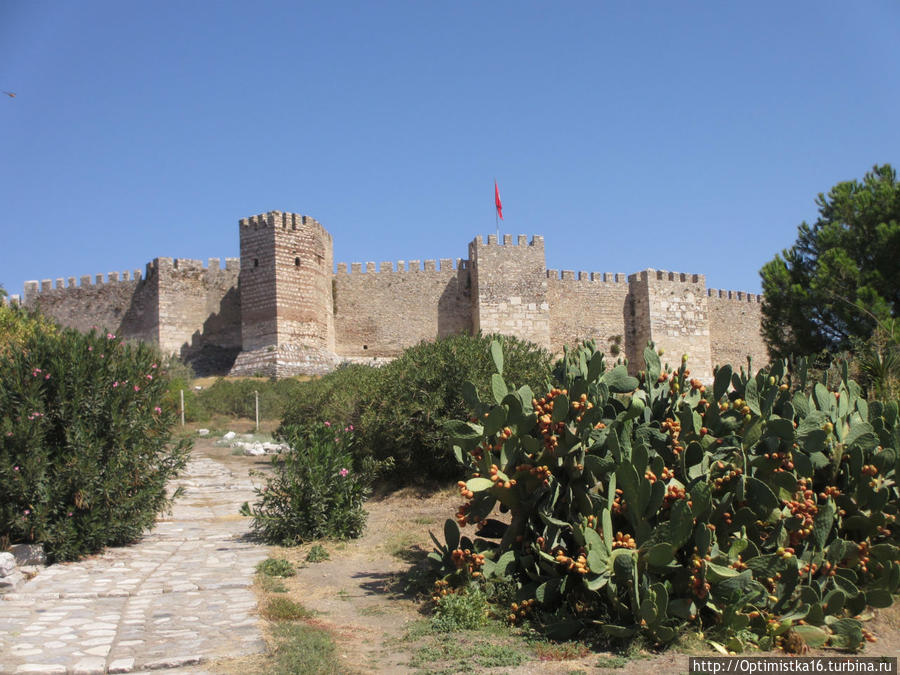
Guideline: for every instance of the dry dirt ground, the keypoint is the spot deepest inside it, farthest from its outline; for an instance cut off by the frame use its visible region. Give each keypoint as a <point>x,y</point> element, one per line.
<point>362,595</point>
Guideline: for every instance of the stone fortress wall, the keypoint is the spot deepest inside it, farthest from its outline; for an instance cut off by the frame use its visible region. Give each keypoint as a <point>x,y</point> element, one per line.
<point>281,309</point>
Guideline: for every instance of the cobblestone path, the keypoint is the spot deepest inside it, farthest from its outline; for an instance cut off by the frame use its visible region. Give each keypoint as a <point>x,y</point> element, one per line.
<point>178,597</point>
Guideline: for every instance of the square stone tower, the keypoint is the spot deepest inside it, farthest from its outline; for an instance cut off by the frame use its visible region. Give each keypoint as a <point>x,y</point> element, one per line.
<point>509,288</point>
<point>671,309</point>
<point>287,312</point>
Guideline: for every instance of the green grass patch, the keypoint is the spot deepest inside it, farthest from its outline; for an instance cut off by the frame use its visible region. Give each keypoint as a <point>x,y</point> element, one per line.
<point>271,584</point>
<point>317,554</point>
<point>612,661</point>
<point>284,609</point>
<point>276,567</point>
<point>465,652</point>
<point>304,650</point>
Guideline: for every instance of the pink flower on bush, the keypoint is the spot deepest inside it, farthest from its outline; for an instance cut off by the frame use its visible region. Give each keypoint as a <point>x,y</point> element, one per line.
<point>15,468</point>
<point>137,388</point>
<point>90,349</point>
<point>115,384</point>
<point>149,377</point>
<point>27,511</point>
<point>344,472</point>
<point>153,366</point>
<point>157,410</point>
<point>69,514</point>
<point>327,424</point>
<point>351,427</point>
<point>110,336</point>
<point>47,376</point>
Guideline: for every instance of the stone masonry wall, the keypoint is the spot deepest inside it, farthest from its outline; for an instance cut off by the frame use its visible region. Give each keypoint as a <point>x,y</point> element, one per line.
<point>257,288</point>
<point>304,264</point>
<point>199,308</point>
<point>589,306</point>
<point>734,320</point>
<point>509,288</point>
<point>381,313</point>
<point>280,310</point>
<point>671,309</point>
<point>123,304</point>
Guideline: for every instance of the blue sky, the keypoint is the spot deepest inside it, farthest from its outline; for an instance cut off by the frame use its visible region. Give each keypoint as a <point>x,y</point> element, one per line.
<point>687,136</point>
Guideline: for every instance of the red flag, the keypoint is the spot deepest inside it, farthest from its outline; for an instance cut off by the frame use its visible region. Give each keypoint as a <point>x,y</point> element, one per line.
<point>497,201</point>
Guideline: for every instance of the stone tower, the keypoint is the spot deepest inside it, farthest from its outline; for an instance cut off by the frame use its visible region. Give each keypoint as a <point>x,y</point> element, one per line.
<point>509,288</point>
<point>287,313</point>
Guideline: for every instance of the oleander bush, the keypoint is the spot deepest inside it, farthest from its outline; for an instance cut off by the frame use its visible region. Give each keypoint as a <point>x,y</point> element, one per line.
<point>760,510</point>
<point>315,489</point>
<point>85,442</point>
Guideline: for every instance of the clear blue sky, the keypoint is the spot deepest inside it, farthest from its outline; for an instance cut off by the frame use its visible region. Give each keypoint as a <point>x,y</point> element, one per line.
<point>688,136</point>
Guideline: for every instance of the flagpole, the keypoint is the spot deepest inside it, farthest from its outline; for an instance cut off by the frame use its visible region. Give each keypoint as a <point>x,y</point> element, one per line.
<point>496,219</point>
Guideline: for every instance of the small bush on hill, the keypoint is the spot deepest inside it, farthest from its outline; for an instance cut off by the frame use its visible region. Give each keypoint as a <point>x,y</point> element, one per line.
<point>85,446</point>
<point>400,410</point>
<point>339,397</point>
<point>316,491</point>
<point>237,398</point>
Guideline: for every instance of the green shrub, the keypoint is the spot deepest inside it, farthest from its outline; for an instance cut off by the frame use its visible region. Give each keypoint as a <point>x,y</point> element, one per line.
<point>276,567</point>
<point>317,554</point>
<point>284,609</point>
<point>315,491</point>
<point>181,380</point>
<point>85,443</point>
<point>338,397</point>
<point>236,397</point>
<point>751,510</point>
<point>465,610</point>
<point>400,410</point>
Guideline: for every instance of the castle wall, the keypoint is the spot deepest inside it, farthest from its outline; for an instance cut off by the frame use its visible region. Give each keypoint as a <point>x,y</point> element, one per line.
<point>586,306</point>
<point>199,310</point>
<point>671,309</point>
<point>381,313</point>
<point>509,288</point>
<point>123,304</point>
<point>280,310</point>
<point>735,320</point>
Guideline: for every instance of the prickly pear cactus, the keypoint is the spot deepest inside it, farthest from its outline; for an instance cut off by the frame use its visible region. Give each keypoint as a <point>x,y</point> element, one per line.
<point>758,508</point>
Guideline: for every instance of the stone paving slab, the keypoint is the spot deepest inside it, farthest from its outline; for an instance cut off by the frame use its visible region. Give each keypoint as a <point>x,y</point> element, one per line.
<point>179,597</point>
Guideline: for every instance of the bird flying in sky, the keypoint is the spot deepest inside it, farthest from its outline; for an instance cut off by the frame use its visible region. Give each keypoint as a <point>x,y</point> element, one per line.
<point>11,94</point>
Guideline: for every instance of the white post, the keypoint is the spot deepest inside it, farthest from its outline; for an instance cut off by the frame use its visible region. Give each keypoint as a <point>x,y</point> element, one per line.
<point>256,394</point>
<point>181,393</point>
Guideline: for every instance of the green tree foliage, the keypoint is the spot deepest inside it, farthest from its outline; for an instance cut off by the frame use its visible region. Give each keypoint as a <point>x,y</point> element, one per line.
<point>85,443</point>
<point>400,410</point>
<point>842,276</point>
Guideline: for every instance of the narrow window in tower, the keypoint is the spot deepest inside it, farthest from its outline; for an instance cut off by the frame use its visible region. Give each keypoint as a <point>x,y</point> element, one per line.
<point>256,262</point>
<point>365,346</point>
<point>296,262</point>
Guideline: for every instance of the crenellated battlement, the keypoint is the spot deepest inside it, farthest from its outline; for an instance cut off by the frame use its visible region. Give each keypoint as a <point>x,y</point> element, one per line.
<point>666,276</point>
<point>403,267</point>
<point>739,296</point>
<point>521,240</point>
<point>283,220</point>
<point>61,284</point>
<point>591,277</point>
<point>192,264</point>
